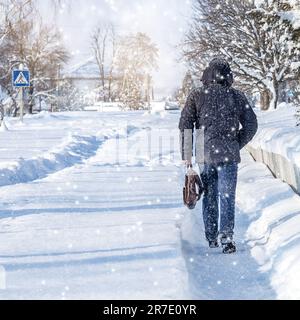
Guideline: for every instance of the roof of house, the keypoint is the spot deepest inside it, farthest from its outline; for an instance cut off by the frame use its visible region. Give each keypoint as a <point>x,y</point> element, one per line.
<point>87,69</point>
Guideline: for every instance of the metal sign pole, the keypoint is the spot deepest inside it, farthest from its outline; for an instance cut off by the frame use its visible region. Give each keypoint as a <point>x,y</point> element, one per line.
<point>21,92</point>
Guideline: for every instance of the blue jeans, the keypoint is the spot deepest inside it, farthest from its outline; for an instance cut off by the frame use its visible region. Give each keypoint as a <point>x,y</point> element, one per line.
<point>219,200</point>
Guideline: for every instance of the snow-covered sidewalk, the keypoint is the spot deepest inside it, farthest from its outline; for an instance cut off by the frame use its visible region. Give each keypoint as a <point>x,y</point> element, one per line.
<point>214,275</point>
<point>96,230</point>
<point>267,234</point>
<point>111,225</point>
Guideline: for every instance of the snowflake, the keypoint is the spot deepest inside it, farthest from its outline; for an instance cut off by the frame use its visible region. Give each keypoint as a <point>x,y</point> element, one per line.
<point>129,180</point>
<point>178,217</point>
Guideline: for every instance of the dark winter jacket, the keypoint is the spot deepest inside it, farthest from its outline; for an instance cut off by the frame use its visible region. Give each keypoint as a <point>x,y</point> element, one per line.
<point>221,114</point>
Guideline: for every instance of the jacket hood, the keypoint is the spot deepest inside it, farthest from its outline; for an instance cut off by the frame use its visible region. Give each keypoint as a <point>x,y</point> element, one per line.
<point>218,72</point>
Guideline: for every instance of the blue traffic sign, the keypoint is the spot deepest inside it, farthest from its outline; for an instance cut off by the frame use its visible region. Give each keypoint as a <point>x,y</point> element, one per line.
<point>21,78</point>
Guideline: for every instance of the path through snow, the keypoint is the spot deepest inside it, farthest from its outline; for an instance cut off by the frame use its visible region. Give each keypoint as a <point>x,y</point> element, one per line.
<point>215,276</point>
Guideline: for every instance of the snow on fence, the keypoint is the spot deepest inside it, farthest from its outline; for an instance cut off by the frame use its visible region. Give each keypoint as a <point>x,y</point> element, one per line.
<point>281,167</point>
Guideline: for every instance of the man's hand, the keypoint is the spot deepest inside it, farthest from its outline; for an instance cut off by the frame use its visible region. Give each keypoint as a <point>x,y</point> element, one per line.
<point>188,163</point>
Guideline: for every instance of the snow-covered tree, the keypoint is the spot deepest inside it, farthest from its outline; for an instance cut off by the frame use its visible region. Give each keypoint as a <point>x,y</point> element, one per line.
<point>131,94</point>
<point>136,59</point>
<point>69,98</point>
<point>259,38</point>
<point>37,46</point>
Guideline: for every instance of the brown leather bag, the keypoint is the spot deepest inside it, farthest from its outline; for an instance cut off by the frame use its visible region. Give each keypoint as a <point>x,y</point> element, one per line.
<point>193,189</point>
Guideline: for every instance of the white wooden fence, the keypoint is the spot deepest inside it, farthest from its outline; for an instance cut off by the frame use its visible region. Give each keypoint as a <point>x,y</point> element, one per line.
<point>281,167</point>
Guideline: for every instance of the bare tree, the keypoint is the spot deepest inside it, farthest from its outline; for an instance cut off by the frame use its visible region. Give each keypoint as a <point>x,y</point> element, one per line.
<point>37,46</point>
<point>13,13</point>
<point>113,45</point>
<point>260,41</point>
<point>99,46</point>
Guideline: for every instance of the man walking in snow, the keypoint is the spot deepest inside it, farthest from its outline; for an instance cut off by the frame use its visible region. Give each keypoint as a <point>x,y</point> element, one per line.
<point>225,123</point>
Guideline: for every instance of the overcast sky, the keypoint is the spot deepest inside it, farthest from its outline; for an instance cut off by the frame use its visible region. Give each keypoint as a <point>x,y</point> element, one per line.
<point>164,20</point>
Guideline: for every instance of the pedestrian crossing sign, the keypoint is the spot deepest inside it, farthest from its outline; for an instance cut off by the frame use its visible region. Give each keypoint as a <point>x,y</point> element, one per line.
<point>21,78</point>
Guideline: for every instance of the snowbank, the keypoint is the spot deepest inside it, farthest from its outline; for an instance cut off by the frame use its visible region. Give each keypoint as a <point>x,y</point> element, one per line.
<point>277,144</point>
<point>278,132</point>
<point>73,150</point>
<point>274,232</point>
<point>48,142</point>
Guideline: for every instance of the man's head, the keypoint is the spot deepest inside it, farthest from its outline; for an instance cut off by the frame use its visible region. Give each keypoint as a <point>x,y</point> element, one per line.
<point>218,72</point>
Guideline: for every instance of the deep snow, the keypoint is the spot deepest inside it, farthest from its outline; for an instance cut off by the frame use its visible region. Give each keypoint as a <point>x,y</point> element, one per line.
<point>103,228</point>
<point>278,132</point>
<point>99,216</point>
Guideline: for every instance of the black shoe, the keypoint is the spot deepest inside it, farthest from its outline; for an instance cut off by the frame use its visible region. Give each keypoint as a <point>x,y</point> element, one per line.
<point>229,248</point>
<point>214,244</point>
